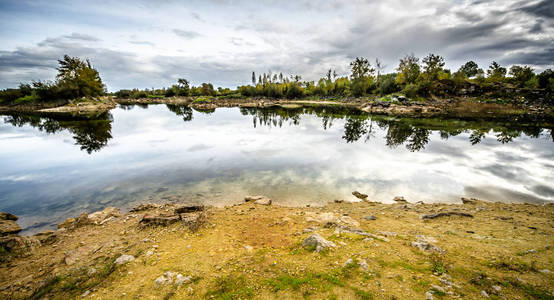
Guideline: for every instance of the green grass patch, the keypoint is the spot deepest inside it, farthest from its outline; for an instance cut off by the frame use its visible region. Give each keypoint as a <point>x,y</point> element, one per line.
<point>203,99</point>
<point>517,266</point>
<point>155,96</point>
<point>230,287</point>
<point>27,99</point>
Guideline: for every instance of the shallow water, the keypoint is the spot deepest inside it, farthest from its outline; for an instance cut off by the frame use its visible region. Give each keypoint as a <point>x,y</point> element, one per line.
<point>52,169</point>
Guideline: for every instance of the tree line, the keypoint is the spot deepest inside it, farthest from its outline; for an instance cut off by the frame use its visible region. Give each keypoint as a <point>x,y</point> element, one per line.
<point>413,78</point>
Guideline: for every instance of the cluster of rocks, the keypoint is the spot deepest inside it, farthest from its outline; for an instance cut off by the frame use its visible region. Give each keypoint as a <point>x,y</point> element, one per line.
<point>12,242</point>
<point>96,218</point>
<point>172,278</point>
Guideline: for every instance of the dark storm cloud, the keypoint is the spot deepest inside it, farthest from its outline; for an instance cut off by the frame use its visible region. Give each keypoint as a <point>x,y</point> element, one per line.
<point>544,8</point>
<point>543,190</point>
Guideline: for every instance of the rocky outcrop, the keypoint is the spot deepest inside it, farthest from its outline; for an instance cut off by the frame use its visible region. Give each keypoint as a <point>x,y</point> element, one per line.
<point>19,244</point>
<point>145,206</point>
<point>262,200</point>
<point>317,242</point>
<point>123,259</point>
<point>189,215</point>
<point>95,218</point>
<point>8,216</point>
<point>100,216</point>
<point>160,219</point>
<point>330,219</point>
<point>399,199</point>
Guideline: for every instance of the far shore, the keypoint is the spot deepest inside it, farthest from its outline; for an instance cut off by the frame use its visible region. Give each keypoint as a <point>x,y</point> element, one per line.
<point>396,106</point>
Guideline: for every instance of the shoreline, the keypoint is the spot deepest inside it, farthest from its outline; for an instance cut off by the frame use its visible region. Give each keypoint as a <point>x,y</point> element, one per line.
<point>258,250</point>
<point>448,108</point>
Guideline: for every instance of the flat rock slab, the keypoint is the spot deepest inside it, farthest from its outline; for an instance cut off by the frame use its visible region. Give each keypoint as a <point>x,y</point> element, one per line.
<point>162,219</point>
<point>9,227</point>
<point>445,214</point>
<point>189,209</point>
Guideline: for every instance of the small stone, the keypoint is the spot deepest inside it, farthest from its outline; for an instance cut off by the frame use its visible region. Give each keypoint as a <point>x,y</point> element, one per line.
<point>249,248</point>
<point>124,259</point>
<point>348,262</point>
<point>497,288</point>
<point>149,252</point>
<point>370,218</point>
<point>359,195</point>
<point>363,264</point>
<point>429,296</point>
<point>545,271</point>
<point>484,294</point>
<point>180,279</point>
<point>399,199</point>
<point>437,288</point>
<point>318,242</point>
<point>86,293</point>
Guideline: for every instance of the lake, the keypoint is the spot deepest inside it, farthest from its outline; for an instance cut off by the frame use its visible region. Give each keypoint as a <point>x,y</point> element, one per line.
<point>53,168</point>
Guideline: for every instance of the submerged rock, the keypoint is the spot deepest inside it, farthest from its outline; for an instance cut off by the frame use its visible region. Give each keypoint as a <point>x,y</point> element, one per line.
<point>360,195</point>
<point>318,242</point>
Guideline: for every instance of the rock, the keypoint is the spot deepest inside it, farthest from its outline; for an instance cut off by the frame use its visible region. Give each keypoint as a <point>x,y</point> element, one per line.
<point>370,218</point>
<point>249,248</point>
<point>318,242</point>
<point>363,265</point>
<point>263,201</point>
<point>348,221</point>
<point>338,201</point>
<point>359,195</point>
<point>160,219</point>
<point>188,209</point>
<point>429,296</point>
<point>180,279</point>
<point>21,244</point>
<point>8,227</point>
<point>545,271</point>
<point>341,229</point>
<point>445,214</point>
<point>426,246</point>
<point>124,259</point>
<point>189,219</point>
<point>162,280</point>
<point>496,288</point>
<point>8,216</point>
<point>329,219</point>
<point>399,199</point>
<point>46,237</point>
<point>348,262</point>
<point>484,294</point>
<point>438,288</point>
<point>86,293</point>
<point>99,216</point>
<point>309,229</point>
<point>469,200</point>
<point>67,224</point>
<point>145,206</point>
<point>82,220</point>
<point>253,198</point>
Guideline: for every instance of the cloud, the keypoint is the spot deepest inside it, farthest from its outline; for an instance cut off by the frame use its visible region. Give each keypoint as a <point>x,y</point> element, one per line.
<point>224,42</point>
<point>81,36</point>
<point>186,34</point>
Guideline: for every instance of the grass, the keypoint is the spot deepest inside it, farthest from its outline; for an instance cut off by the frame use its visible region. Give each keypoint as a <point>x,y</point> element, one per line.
<point>517,266</point>
<point>155,96</point>
<point>230,287</point>
<point>203,99</point>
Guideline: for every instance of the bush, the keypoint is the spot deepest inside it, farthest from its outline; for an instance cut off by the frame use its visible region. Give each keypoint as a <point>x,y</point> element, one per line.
<point>411,90</point>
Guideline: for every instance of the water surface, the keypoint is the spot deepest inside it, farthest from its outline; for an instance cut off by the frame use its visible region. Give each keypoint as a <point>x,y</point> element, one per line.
<point>54,168</point>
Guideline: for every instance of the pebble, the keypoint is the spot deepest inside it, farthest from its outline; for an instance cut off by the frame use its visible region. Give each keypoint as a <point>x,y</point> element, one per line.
<point>484,294</point>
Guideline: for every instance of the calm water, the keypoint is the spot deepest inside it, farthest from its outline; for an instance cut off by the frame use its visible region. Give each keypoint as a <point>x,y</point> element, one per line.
<point>52,169</point>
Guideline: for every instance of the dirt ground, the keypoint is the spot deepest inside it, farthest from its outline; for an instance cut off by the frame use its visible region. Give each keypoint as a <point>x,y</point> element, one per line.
<point>250,251</point>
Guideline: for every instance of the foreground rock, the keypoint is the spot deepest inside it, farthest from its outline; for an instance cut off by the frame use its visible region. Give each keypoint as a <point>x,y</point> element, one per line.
<point>8,216</point>
<point>189,215</point>
<point>8,227</point>
<point>445,214</point>
<point>317,242</point>
<point>95,218</point>
<point>399,199</point>
<point>123,259</point>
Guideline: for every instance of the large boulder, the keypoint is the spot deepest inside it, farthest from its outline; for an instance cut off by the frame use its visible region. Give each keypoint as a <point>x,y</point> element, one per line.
<point>20,244</point>
<point>8,227</point>
<point>359,195</point>
<point>317,242</point>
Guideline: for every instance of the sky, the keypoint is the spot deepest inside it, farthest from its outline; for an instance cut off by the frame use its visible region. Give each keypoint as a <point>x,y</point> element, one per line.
<point>146,44</point>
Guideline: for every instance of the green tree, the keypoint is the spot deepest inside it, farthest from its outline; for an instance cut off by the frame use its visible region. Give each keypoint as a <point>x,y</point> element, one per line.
<point>77,78</point>
<point>470,69</point>
<point>408,70</point>
<point>521,75</point>
<point>432,66</point>
<point>183,87</point>
<point>546,79</point>
<point>496,72</point>
<point>361,75</point>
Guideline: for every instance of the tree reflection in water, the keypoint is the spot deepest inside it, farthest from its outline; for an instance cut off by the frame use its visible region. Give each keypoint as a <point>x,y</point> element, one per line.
<point>91,134</point>
<point>412,132</point>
